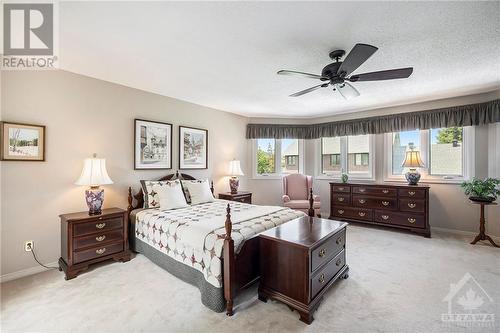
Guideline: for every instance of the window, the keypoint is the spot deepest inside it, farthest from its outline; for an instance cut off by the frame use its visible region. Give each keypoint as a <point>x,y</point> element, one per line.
<point>353,154</point>
<point>275,157</point>
<point>447,153</point>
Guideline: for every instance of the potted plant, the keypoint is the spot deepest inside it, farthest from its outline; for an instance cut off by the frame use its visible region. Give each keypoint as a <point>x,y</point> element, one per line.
<point>482,190</point>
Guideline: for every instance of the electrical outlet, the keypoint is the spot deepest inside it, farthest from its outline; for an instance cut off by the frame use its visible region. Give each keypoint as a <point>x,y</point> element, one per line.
<point>28,246</point>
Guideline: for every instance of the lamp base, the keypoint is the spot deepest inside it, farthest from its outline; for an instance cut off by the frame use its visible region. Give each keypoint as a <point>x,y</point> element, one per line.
<point>412,176</point>
<point>234,183</point>
<point>94,197</point>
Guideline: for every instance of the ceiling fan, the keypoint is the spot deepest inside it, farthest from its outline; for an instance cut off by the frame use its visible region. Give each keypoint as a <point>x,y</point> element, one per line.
<point>339,72</point>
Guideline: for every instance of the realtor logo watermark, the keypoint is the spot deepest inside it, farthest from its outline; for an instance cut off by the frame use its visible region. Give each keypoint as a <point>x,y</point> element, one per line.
<point>469,305</point>
<point>28,36</point>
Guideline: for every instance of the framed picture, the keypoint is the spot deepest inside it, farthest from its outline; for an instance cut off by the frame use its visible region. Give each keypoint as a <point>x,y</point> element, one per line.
<point>153,145</point>
<point>193,148</point>
<point>22,142</point>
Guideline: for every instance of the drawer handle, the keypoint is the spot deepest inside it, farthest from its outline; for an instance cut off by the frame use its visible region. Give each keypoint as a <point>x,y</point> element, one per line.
<point>339,262</point>
<point>100,251</point>
<point>321,278</point>
<point>385,217</point>
<point>341,211</point>
<point>100,238</point>
<point>411,220</point>
<point>100,225</point>
<point>412,205</point>
<point>339,240</point>
<point>361,213</point>
<point>340,199</point>
<point>411,193</point>
<point>385,191</point>
<point>385,203</point>
<point>362,201</point>
<point>362,190</point>
<point>322,253</point>
<point>341,188</point>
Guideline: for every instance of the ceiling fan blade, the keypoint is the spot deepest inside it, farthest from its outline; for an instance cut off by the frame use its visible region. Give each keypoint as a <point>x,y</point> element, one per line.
<point>308,90</point>
<point>347,90</point>
<point>313,76</point>
<point>358,55</point>
<point>400,73</point>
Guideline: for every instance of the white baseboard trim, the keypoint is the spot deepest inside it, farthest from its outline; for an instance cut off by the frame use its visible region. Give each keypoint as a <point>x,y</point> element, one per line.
<point>26,272</point>
<point>461,232</point>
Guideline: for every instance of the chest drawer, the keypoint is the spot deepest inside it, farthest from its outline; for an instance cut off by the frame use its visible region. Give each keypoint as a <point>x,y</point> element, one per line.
<point>98,239</point>
<point>341,199</point>
<point>97,225</point>
<point>96,252</point>
<point>403,219</point>
<point>374,202</point>
<point>324,252</point>
<point>322,278</point>
<point>353,213</point>
<point>411,205</point>
<point>341,188</point>
<point>375,191</point>
<point>245,199</point>
<point>412,193</point>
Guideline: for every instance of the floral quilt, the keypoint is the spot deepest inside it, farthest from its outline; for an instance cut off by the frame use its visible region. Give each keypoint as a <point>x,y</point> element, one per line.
<point>163,229</point>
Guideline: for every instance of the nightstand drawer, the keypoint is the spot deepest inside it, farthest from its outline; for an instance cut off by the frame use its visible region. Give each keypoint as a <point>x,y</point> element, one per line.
<point>324,276</point>
<point>96,252</point>
<point>98,239</point>
<point>97,225</point>
<point>245,199</point>
<point>331,247</point>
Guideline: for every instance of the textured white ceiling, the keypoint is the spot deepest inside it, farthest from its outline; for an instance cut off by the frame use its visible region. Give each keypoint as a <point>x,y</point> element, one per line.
<point>225,55</point>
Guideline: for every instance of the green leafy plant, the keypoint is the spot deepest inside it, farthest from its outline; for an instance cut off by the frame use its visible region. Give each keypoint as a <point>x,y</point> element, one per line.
<point>484,189</point>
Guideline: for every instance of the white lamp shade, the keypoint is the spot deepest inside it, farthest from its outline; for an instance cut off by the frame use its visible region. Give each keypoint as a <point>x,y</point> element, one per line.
<point>235,168</point>
<point>94,173</point>
<point>412,159</point>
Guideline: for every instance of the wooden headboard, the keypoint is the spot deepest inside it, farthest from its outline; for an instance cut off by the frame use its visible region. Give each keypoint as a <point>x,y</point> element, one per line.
<point>139,196</point>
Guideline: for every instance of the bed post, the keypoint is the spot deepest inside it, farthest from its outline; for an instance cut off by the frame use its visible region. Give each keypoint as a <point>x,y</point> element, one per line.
<point>130,200</point>
<point>228,264</point>
<point>212,187</point>
<point>310,212</point>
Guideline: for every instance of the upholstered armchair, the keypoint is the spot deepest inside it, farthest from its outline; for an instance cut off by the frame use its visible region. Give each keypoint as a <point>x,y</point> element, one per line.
<point>296,189</point>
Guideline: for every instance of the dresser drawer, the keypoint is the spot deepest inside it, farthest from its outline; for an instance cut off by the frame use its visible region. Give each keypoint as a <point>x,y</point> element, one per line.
<point>374,202</point>
<point>324,276</point>
<point>96,252</point>
<point>375,191</point>
<point>341,199</point>
<point>97,225</point>
<point>410,205</point>
<point>98,239</point>
<point>329,248</point>
<point>341,188</point>
<point>353,213</point>
<point>404,219</point>
<point>244,199</point>
<point>412,193</point>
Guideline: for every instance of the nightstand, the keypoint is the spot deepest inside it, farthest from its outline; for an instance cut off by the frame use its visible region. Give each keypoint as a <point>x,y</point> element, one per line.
<point>245,197</point>
<point>89,239</point>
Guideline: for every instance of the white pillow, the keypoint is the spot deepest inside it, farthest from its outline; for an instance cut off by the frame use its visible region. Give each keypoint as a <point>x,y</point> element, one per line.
<point>199,191</point>
<point>171,195</point>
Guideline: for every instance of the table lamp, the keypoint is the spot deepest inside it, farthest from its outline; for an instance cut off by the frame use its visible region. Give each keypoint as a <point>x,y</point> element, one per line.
<point>94,174</point>
<point>412,161</point>
<point>234,172</point>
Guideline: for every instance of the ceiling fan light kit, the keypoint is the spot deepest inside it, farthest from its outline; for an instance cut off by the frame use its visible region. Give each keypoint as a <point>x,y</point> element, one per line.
<point>339,72</point>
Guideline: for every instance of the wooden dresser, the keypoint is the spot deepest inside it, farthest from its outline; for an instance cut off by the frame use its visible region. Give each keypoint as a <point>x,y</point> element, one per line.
<point>88,239</point>
<point>399,206</point>
<point>300,260</point>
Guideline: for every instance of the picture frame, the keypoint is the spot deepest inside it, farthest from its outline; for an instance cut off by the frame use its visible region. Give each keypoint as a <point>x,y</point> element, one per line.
<point>193,148</point>
<point>152,145</point>
<point>22,142</point>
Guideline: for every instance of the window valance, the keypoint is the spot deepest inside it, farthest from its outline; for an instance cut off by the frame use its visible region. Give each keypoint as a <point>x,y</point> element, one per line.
<point>463,115</point>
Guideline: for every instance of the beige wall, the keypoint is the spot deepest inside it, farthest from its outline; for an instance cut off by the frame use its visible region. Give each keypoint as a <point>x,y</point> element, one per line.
<point>84,116</point>
<point>449,207</point>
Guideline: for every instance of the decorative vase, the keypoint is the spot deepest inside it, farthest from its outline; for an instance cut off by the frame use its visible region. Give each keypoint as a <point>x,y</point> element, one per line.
<point>94,198</point>
<point>344,178</point>
<point>481,199</point>
<point>234,182</point>
<point>412,176</point>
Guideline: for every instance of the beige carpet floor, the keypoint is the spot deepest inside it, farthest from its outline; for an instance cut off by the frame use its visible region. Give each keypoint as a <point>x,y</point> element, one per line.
<point>397,284</point>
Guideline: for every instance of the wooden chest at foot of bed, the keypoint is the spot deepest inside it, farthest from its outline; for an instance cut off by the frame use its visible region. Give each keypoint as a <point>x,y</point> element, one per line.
<point>300,260</point>
<point>88,239</point>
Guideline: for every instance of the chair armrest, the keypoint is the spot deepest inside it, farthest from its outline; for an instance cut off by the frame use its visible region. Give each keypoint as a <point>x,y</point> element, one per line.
<point>316,197</point>
<point>286,198</point>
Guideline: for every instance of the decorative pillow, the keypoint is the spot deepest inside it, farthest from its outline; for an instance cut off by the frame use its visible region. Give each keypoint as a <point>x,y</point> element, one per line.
<point>171,196</point>
<point>151,198</point>
<point>198,191</point>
